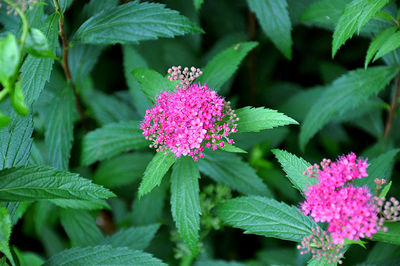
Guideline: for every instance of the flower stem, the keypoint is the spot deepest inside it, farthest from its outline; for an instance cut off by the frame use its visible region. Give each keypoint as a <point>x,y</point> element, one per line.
<point>392,110</point>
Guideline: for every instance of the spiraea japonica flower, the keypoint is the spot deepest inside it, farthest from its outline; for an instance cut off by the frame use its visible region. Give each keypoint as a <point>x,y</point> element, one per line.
<point>190,118</point>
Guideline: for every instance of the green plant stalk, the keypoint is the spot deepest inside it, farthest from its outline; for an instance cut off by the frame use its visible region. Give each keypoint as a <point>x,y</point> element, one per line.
<point>3,93</point>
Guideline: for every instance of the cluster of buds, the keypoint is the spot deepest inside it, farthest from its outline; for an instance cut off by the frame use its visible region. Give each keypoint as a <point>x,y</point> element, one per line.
<point>389,210</point>
<point>23,5</point>
<point>319,244</point>
<point>185,76</point>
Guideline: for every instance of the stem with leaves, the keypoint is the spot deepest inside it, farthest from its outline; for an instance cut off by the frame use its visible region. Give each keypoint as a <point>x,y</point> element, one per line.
<point>65,64</point>
<point>393,107</point>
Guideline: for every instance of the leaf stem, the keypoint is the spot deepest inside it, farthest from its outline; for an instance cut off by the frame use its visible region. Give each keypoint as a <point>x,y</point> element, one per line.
<point>65,64</point>
<point>392,110</point>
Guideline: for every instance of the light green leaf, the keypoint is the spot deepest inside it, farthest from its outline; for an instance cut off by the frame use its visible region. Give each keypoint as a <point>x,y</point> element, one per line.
<point>81,227</point>
<point>35,72</point>
<point>122,170</point>
<point>136,238</point>
<point>155,171</point>
<point>152,83</point>
<point>266,217</point>
<point>5,232</point>
<point>60,128</point>
<point>343,95</point>
<point>231,148</point>
<point>391,43</point>
<point>36,44</point>
<point>28,258</point>
<point>34,183</point>
<point>185,202</point>
<point>229,169</point>
<point>133,22</point>
<point>197,4</point>
<point>9,58</point>
<point>294,167</point>
<point>355,15</point>
<point>275,22</point>
<point>224,65</point>
<point>102,255</point>
<point>385,190</point>
<point>81,204</point>
<point>111,140</point>
<point>392,236</point>
<point>4,120</point>
<point>18,101</point>
<point>257,119</point>
<point>377,43</point>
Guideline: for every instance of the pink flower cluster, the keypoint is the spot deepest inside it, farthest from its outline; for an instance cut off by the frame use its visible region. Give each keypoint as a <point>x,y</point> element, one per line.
<point>349,211</point>
<point>189,119</point>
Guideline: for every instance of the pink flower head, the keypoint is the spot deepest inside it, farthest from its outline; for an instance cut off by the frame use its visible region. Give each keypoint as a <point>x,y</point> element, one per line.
<point>188,119</point>
<point>349,211</point>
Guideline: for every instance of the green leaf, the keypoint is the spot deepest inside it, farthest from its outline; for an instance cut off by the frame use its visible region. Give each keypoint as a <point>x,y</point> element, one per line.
<point>35,72</point>
<point>275,22</point>
<point>60,128</point>
<point>4,120</point>
<point>152,83</point>
<point>81,227</point>
<point>391,43</point>
<point>96,6</point>
<point>209,262</point>
<point>320,262</point>
<point>257,119</point>
<point>379,167</point>
<point>133,22</point>
<point>377,43</point>
<point>9,58</point>
<point>385,190</point>
<point>325,13</point>
<point>155,171</point>
<point>294,167</point>
<point>266,217</point>
<point>132,61</point>
<point>102,255</point>
<point>229,169</point>
<point>36,44</point>
<point>231,148</point>
<point>392,236</point>
<point>17,100</point>
<point>82,204</point>
<point>343,95</point>
<point>111,140</point>
<point>5,232</point>
<point>355,15</point>
<point>64,4</point>
<point>224,65</point>
<point>185,202</point>
<point>122,170</point>
<point>136,238</point>
<point>34,183</point>
<point>197,4</point>
<point>28,258</point>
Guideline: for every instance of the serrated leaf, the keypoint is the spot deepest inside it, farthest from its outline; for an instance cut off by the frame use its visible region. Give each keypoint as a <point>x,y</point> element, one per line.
<point>391,43</point>
<point>294,167</point>
<point>122,170</point>
<point>275,22</point>
<point>377,43</point>
<point>152,83</point>
<point>343,95</point>
<point>82,204</point>
<point>34,183</point>
<point>5,232</point>
<point>155,171</point>
<point>379,167</point>
<point>355,15</point>
<point>59,128</point>
<point>231,148</point>
<point>257,119</point>
<point>111,140</point>
<point>224,65</point>
<point>136,238</point>
<point>102,255</point>
<point>229,169</point>
<point>209,262</point>
<point>81,227</point>
<point>133,22</point>
<point>96,6</point>
<point>185,202</point>
<point>266,217</point>
<point>392,236</point>
<point>36,44</point>
<point>35,72</point>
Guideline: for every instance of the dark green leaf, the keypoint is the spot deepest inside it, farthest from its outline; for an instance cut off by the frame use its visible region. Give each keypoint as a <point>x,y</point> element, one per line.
<point>133,22</point>
<point>102,255</point>
<point>81,204</point>
<point>266,217</point>
<point>33,183</point>
<point>275,22</point>
<point>224,65</point>
<point>392,236</point>
<point>155,171</point>
<point>5,232</point>
<point>111,140</point>
<point>185,202</point>
<point>197,4</point>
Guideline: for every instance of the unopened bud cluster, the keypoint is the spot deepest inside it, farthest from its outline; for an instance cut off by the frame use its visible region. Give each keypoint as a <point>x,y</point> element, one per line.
<point>12,5</point>
<point>186,76</point>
